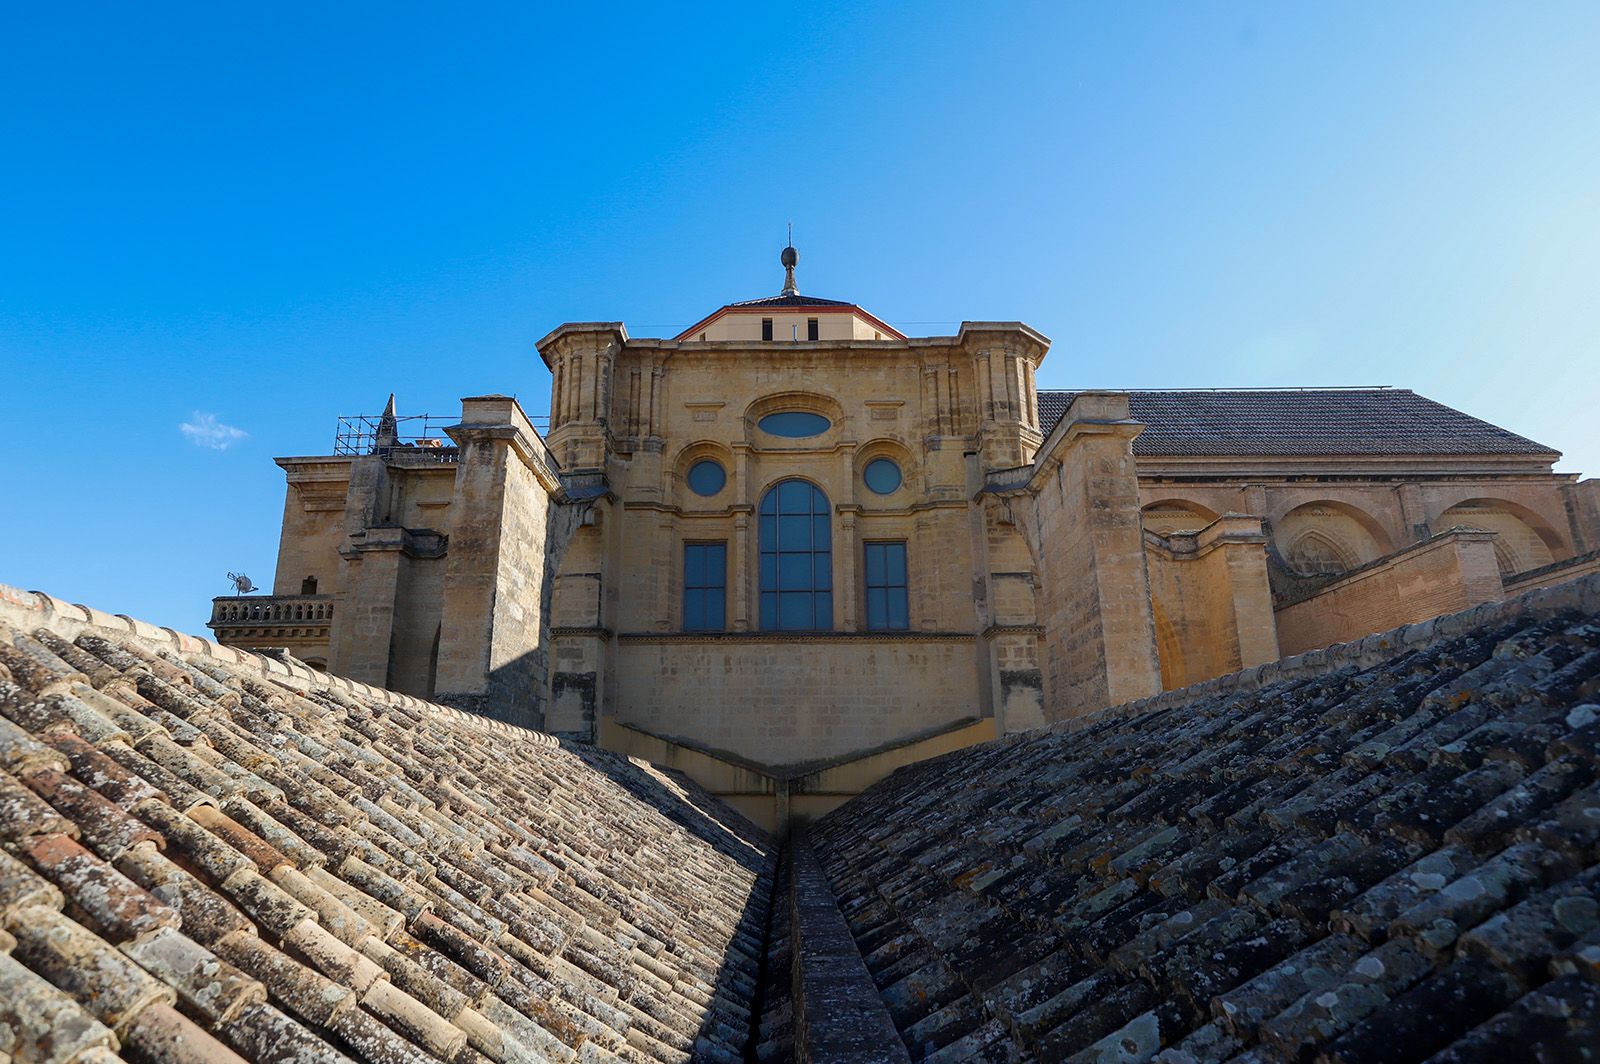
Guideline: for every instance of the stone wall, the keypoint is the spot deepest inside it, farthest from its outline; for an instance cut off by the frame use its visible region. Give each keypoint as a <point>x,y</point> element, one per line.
<point>1211,603</point>
<point>1573,568</point>
<point>1447,573</point>
<point>313,523</point>
<point>778,700</point>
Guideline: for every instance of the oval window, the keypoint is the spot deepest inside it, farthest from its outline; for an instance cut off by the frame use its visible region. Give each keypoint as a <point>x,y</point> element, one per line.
<point>795,424</point>
<point>706,477</point>
<point>882,475</point>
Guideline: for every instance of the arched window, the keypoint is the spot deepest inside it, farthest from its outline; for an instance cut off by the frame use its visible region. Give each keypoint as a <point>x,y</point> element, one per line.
<point>796,559</point>
<point>1315,553</point>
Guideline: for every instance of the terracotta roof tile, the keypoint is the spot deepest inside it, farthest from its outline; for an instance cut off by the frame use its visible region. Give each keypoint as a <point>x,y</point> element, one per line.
<point>313,875</point>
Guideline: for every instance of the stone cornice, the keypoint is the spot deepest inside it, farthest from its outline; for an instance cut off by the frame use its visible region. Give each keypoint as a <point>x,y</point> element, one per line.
<point>1203,475</point>
<point>647,638</point>
<point>1091,414</point>
<point>1011,336</point>
<point>504,419</point>
<point>316,467</point>
<point>996,630</point>
<point>1188,546</point>
<point>575,631</point>
<point>842,508</point>
<point>566,336</point>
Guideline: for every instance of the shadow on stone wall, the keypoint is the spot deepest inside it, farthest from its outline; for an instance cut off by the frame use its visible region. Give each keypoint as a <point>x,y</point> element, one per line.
<point>516,691</point>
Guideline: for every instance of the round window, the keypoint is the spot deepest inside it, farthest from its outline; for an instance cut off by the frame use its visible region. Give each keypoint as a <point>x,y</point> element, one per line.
<point>706,477</point>
<point>882,476</point>
<point>795,424</point>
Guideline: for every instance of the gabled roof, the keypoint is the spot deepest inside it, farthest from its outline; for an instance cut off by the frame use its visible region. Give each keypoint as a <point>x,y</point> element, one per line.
<point>206,849</point>
<point>1332,857</point>
<point>1302,421</point>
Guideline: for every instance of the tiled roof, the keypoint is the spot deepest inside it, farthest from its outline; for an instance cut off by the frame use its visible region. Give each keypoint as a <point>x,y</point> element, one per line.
<point>1344,859</point>
<point>792,301</point>
<point>203,857</point>
<point>1302,421</point>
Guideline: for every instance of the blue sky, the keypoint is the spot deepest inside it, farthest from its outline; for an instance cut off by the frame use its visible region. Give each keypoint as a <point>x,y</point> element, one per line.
<point>259,219</point>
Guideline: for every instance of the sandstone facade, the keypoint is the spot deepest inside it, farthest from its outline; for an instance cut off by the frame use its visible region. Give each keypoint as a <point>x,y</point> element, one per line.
<point>791,548</point>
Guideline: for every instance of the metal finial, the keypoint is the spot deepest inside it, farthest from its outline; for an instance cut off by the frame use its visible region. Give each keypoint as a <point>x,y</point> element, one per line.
<point>790,259</point>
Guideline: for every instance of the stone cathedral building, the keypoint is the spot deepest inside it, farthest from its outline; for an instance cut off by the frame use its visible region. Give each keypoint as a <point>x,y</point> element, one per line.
<point>790,548</point>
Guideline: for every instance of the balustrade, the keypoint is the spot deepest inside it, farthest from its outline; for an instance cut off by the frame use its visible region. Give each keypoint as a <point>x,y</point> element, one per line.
<point>255,611</point>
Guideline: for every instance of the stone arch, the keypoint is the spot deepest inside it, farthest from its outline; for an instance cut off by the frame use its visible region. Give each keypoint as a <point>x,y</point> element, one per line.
<point>1315,552</point>
<point>795,544</point>
<point>811,402</point>
<point>1012,569</point>
<point>1523,539</point>
<point>1326,537</point>
<point>1166,516</point>
<point>578,598</point>
<point>684,460</point>
<point>883,447</point>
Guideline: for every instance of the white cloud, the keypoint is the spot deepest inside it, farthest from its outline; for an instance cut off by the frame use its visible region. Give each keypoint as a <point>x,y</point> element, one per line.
<point>204,430</point>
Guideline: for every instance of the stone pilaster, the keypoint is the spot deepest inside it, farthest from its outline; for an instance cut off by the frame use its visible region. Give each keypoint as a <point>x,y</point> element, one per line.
<point>366,623</point>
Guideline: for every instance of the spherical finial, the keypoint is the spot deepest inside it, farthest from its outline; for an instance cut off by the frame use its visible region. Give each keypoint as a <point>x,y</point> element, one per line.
<point>790,257</point>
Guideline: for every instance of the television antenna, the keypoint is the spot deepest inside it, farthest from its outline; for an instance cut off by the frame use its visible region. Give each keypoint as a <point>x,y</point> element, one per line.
<point>241,583</point>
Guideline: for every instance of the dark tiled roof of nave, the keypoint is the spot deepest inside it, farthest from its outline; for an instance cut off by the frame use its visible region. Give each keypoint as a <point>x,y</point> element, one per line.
<point>199,862</point>
<point>1359,865</point>
<point>792,301</point>
<point>1301,421</point>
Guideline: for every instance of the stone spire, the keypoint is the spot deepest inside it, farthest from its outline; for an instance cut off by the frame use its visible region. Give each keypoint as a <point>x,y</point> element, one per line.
<point>388,426</point>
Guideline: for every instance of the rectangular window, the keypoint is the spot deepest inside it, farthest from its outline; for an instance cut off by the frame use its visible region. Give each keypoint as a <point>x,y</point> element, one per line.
<point>811,329</point>
<point>766,328</point>
<point>886,587</point>
<point>705,587</point>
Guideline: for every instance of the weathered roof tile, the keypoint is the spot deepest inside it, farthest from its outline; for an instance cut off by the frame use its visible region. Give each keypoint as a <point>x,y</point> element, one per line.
<point>440,901</point>
<point>1290,868</point>
<point>1296,421</point>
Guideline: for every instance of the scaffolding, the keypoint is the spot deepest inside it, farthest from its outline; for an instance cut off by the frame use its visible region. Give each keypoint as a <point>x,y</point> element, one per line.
<point>360,434</point>
<point>419,435</point>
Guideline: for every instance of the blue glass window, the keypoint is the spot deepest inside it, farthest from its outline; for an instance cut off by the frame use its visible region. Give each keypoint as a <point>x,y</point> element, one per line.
<point>796,559</point>
<point>705,587</point>
<point>882,476</point>
<point>706,477</point>
<point>795,424</point>
<point>886,586</point>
